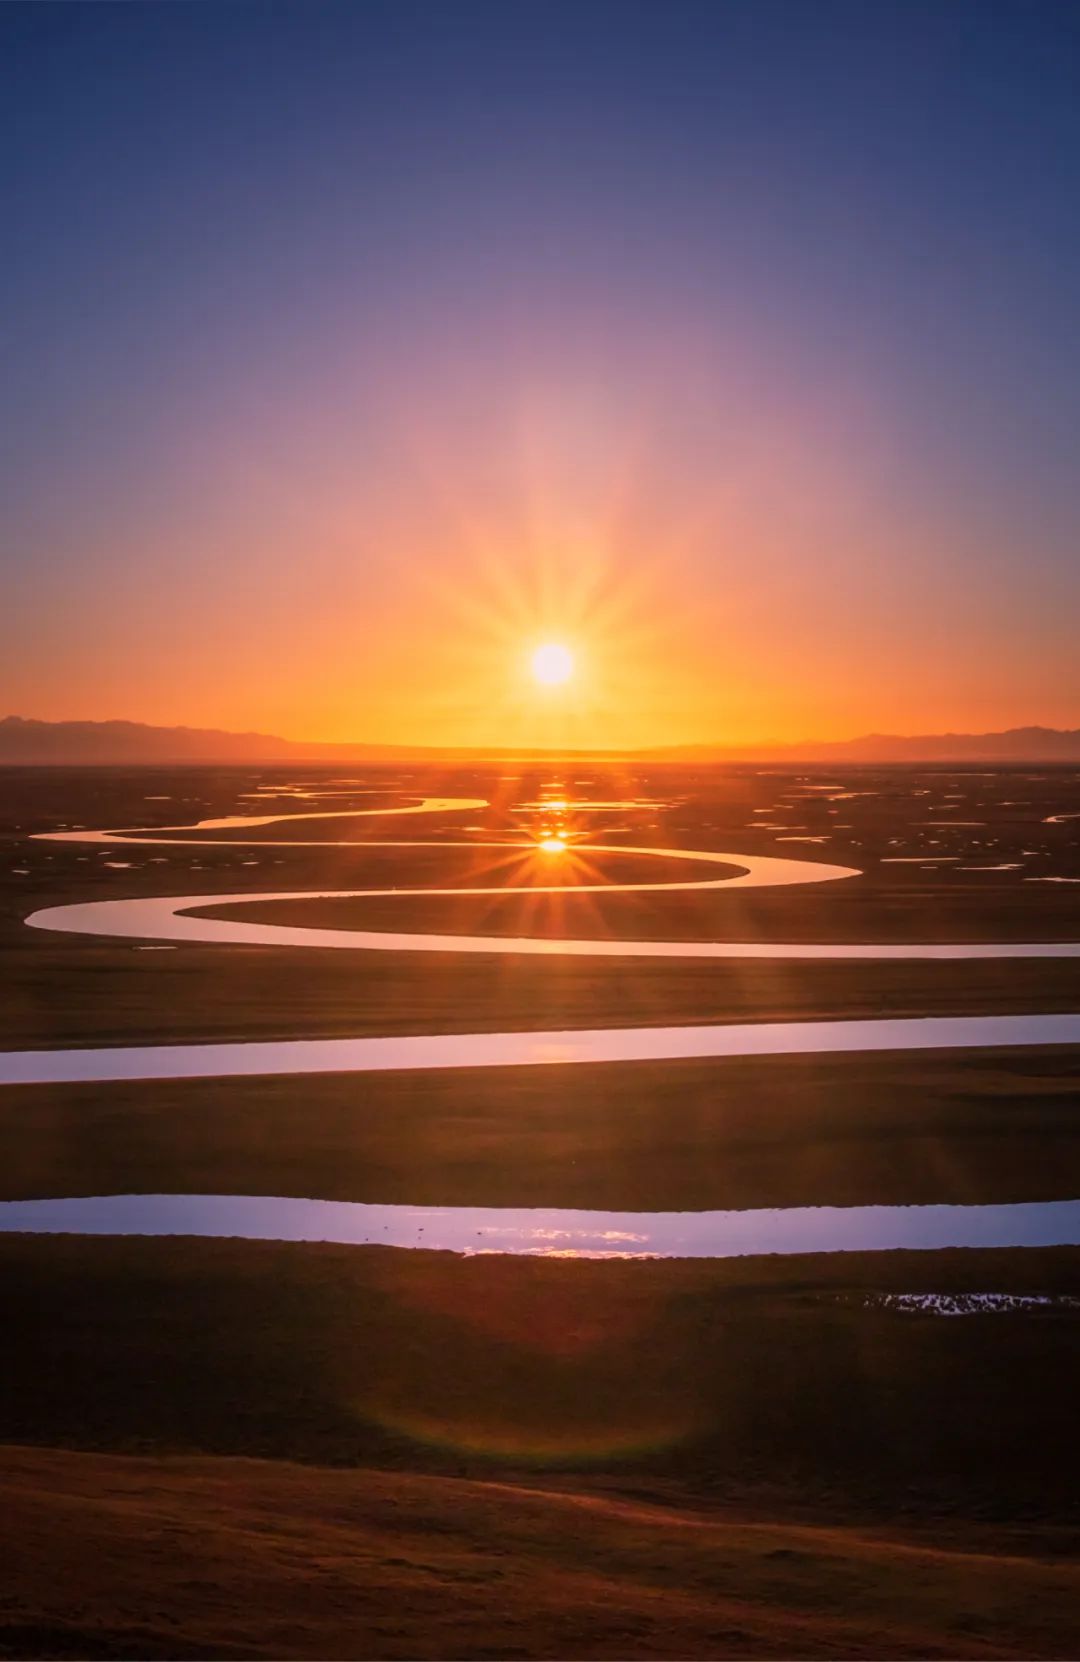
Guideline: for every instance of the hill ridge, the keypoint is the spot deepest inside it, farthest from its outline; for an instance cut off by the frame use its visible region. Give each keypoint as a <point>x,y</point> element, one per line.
<point>33,742</point>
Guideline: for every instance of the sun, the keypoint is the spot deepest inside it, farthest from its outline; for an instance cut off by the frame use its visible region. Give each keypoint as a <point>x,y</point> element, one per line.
<point>552,664</point>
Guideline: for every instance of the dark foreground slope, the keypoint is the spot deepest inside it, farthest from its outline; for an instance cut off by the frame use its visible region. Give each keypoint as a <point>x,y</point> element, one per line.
<point>778,1377</point>
<point>135,1557</point>
<point>249,1450</point>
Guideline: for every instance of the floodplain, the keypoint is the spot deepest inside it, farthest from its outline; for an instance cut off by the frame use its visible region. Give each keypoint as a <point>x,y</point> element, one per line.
<point>774,1452</point>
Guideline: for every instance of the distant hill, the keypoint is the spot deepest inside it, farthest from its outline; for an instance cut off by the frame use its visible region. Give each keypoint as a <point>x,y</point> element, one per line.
<point>75,742</point>
<point>113,743</point>
<point>1017,744</point>
<point>88,743</point>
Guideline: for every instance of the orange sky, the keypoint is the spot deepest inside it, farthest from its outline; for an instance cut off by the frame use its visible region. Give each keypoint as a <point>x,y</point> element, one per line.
<point>768,592</point>
<point>347,359</point>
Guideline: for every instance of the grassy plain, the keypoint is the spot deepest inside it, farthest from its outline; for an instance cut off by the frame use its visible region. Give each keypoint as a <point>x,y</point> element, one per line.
<point>249,1449</point>
<point>769,1131</point>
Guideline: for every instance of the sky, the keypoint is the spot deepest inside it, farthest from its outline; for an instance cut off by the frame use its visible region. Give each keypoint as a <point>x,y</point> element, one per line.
<point>350,351</point>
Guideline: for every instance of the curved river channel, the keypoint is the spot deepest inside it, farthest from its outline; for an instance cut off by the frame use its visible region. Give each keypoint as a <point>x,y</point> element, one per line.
<point>173,919</point>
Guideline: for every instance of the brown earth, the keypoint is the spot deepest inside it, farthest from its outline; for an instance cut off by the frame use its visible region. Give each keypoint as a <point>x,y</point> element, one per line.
<point>112,1556</point>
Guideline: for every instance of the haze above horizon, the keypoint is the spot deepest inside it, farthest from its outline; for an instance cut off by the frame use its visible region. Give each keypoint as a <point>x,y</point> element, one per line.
<point>723,355</point>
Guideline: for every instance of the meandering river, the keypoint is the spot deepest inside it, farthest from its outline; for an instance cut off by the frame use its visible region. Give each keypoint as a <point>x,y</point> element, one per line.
<point>173,919</point>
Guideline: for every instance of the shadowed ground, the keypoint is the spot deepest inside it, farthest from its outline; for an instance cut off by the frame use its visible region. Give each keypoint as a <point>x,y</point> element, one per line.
<point>120,1557</point>
<point>748,1375</point>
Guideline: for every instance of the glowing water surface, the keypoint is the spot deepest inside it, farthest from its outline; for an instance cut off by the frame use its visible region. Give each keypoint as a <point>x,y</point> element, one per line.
<point>535,1049</point>
<point>169,918</point>
<point>537,1231</point>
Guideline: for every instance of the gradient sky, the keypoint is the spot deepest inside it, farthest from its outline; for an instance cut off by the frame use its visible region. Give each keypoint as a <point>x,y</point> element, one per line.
<point>349,350</point>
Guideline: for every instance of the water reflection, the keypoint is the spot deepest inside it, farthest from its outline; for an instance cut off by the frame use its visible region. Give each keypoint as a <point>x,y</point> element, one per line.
<point>970,1304</point>
<point>535,1049</point>
<point>545,1232</point>
<point>248,822</point>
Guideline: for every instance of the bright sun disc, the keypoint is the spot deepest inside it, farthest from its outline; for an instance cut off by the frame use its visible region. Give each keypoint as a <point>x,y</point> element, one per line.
<point>552,664</point>
<point>553,845</point>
